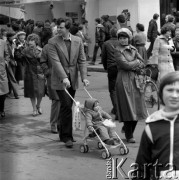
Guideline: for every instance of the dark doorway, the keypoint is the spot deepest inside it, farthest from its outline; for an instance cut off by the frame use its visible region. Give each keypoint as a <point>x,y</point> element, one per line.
<point>168,7</point>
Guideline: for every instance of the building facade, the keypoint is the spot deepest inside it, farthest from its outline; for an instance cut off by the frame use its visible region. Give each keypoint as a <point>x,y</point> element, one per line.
<point>141,10</point>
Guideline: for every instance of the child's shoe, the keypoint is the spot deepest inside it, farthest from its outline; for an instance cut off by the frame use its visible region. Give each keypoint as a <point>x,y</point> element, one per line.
<point>109,141</point>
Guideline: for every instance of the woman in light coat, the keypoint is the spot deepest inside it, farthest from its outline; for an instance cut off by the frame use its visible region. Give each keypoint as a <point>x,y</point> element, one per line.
<point>4,89</point>
<point>161,54</point>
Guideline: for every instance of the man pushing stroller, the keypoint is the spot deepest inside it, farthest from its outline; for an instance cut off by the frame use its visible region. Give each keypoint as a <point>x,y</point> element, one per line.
<point>101,121</point>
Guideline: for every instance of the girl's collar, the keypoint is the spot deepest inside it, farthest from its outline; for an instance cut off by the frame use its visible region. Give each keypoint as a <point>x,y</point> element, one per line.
<point>162,115</point>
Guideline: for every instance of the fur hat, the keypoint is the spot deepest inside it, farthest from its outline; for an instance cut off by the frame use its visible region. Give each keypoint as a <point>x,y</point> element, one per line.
<point>125,31</point>
<point>20,33</point>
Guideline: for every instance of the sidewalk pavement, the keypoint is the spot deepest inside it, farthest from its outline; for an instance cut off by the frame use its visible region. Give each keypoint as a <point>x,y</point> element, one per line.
<point>30,152</point>
<point>95,68</point>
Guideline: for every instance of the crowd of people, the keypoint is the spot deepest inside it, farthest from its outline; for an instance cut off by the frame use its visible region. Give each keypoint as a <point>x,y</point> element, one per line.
<point>54,52</point>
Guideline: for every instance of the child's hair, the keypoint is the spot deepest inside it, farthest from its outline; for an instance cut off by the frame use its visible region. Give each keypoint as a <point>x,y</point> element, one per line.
<point>168,79</point>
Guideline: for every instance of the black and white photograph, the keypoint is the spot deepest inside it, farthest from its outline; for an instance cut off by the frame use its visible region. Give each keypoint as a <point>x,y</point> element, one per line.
<point>89,89</point>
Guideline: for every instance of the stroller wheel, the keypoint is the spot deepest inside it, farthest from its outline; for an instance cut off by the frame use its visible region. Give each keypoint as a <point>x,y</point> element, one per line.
<point>105,154</point>
<point>100,146</point>
<point>84,148</point>
<point>122,151</point>
<point>127,150</point>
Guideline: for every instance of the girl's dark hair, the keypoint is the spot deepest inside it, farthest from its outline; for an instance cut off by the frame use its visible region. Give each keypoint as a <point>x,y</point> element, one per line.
<point>168,79</point>
<point>140,27</point>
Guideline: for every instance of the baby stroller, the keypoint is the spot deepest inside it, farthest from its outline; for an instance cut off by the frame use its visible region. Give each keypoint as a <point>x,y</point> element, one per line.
<point>105,153</point>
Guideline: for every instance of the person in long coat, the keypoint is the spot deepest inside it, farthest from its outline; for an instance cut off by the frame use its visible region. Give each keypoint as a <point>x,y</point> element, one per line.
<point>34,79</point>
<point>4,89</point>
<point>130,101</point>
<point>161,54</point>
<point>55,106</point>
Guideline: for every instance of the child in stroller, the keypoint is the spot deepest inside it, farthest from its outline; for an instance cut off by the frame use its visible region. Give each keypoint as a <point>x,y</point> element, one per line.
<point>95,118</point>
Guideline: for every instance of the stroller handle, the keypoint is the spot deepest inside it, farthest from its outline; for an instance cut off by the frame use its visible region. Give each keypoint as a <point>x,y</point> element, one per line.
<point>71,97</point>
<point>87,92</point>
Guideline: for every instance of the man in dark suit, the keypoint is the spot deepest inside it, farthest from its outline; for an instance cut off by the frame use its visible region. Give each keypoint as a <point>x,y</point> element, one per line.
<point>152,33</point>
<point>66,53</point>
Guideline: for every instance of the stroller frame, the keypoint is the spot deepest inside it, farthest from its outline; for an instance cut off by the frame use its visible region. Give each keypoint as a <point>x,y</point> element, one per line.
<point>84,148</point>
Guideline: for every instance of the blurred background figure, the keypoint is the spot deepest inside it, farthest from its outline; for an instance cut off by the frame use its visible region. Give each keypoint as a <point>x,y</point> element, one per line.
<point>11,67</point>
<point>140,40</point>
<point>152,33</point>
<point>4,89</point>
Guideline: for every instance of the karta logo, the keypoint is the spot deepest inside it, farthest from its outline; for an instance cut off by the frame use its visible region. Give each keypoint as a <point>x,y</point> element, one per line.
<point>117,170</point>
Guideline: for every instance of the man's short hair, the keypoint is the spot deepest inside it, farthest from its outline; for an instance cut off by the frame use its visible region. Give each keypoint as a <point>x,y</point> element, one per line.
<point>113,32</point>
<point>121,18</point>
<point>98,20</point>
<point>155,16</point>
<point>67,21</point>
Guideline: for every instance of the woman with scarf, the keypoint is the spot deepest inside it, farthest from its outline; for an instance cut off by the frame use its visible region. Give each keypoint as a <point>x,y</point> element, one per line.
<point>130,101</point>
<point>158,156</point>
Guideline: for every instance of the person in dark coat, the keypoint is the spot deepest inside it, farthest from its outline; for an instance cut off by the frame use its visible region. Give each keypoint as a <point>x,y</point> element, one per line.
<point>123,23</point>
<point>46,33</point>
<point>170,23</point>
<point>109,63</point>
<point>99,39</point>
<point>175,54</point>
<point>152,33</point>
<point>130,101</point>
<point>107,26</point>
<point>34,79</point>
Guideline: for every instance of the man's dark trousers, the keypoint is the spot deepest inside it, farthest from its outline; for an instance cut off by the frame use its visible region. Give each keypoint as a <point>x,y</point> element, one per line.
<point>112,75</point>
<point>64,123</point>
<point>96,51</point>
<point>149,50</point>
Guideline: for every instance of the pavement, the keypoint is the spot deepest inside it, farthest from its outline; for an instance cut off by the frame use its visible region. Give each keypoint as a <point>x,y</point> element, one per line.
<point>29,151</point>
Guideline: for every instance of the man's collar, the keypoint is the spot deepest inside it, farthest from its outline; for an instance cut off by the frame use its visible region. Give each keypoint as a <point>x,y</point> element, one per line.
<point>68,38</point>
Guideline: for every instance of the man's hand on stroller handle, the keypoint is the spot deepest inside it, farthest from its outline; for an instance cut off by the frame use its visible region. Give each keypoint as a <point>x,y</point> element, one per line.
<point>66,82</point>
<point>85,82</point>
<point>90,128</point>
